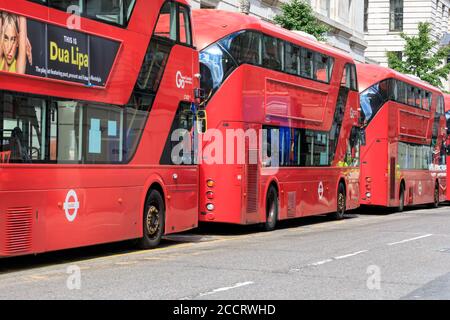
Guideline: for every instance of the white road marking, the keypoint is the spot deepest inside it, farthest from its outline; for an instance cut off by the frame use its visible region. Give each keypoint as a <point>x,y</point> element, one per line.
<point>321,262</point>
<point>408,240</point>
<point>237,285</point>
<point>350,255</point>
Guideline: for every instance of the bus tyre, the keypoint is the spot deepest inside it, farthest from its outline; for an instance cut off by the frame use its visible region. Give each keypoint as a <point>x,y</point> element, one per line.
<point>341,204</point>
<point>435,203</point>
<point>271,209</point>
<point>401,205</point>
<point>154,220</point>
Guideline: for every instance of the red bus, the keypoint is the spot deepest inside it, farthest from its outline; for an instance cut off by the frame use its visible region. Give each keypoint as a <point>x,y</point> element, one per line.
<point>289,106</point>
<point>447,117</point>
<point>90,92</point>
<point>403,160</point>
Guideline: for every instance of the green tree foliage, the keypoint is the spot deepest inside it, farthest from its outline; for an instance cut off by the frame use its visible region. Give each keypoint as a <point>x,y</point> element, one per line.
<point>298,15</point>
<point>419,60</point>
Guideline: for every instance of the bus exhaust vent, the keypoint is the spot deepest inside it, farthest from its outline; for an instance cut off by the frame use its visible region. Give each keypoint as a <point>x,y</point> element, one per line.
<point>252,188</point>
<point>18,224</point>
<point>291,204</point>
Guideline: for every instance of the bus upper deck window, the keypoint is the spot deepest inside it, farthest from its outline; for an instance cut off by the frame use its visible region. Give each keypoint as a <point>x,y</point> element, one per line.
<point>107,10</point>
<point>66,5</point>
<point>166,26</point>
<point>185,26</point>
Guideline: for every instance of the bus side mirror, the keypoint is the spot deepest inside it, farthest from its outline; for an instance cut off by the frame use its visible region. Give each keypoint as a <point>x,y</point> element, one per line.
<point>362,136</point>
<point>200,94</point>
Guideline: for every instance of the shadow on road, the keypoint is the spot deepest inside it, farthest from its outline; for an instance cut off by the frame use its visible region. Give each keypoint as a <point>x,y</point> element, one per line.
<point>205,232</point>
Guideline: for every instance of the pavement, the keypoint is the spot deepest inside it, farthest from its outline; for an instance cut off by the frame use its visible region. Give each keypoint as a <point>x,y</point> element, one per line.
<point>372,254</point>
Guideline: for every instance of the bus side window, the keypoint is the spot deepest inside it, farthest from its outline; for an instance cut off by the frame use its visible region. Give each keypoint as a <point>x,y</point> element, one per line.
<point>153,66</point>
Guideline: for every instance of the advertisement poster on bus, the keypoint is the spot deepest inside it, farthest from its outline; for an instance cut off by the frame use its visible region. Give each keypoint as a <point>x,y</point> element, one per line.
<point>34,48</point>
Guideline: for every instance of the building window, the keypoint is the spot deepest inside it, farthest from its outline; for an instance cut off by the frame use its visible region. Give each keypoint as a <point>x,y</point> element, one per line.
<point>399,54</point>
<point>396,15</point>
<point>325,7</point>
<point>366,15</point>
<point>345,10</point>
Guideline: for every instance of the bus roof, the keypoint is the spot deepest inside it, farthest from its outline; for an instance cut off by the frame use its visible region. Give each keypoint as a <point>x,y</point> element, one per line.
<point>212,25</point>
<point>369,74</point>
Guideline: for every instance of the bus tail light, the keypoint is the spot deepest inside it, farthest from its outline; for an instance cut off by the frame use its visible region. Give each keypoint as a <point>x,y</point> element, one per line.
<point>210,183</point>
<point>368,179</point>
<point>210,195</point>
<point>368,194</point>
<point>210,207</point>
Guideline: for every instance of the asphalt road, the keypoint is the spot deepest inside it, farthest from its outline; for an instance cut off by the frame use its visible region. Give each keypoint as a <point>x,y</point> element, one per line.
<point>369,255</point>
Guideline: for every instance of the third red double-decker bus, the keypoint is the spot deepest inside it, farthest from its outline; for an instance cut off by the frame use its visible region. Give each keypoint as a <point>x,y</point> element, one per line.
<point>403,159</point>
<point>285,110</point>
<point>447,117</point>
<point>90,94</point>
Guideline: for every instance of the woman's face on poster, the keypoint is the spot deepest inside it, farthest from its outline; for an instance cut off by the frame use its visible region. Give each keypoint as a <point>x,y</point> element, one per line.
<point>10,42</point>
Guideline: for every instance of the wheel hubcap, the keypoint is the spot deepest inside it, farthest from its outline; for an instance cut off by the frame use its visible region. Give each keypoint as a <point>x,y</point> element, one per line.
<point>152,220</point>
<point>341,203</point>
<point>270,217</point>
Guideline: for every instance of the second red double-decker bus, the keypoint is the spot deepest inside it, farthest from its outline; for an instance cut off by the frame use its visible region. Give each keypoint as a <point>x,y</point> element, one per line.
<point>88,104</point>
<point>285,110</point>
<point>403,161</point>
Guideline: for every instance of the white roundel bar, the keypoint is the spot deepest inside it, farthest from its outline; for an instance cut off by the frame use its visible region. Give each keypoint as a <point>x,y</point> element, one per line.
<point>320,190</point>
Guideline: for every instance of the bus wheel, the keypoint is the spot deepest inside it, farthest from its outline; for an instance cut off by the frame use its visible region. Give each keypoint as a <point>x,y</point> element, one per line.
<point>341,204</point>
<point>154,220</point>
<point>436,196</point>
<point>401,206</point>
<point>271,209</point>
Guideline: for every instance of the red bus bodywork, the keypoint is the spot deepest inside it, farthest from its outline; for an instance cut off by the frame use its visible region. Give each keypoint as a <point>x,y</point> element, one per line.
<point>255,97</point>
<point>393,128</point>
<point>111,197</point>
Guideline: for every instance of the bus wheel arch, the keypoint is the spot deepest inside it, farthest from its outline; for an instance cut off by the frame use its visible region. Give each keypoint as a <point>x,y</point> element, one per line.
<point>341,200</point>
<point>153,216</point>
<point>436,194</point>
<point>271,206</point>
<point>401,196</point>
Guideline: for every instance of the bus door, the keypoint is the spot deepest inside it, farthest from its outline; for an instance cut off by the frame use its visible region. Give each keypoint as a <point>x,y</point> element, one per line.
<point>173,31</point>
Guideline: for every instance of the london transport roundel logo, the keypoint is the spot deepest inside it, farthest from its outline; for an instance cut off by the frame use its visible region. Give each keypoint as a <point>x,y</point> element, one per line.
<point>71,205</point>
<point>320,190</point>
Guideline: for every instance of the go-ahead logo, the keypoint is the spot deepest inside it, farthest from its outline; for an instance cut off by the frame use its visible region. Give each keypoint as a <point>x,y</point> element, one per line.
<point>71,205</point>
<point>181,80</point>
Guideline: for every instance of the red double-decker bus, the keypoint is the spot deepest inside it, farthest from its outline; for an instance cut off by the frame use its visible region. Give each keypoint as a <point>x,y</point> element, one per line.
<point>447,117</point>
<point>90,94</point>
<point>285,109</point>
<point>403,161</point>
